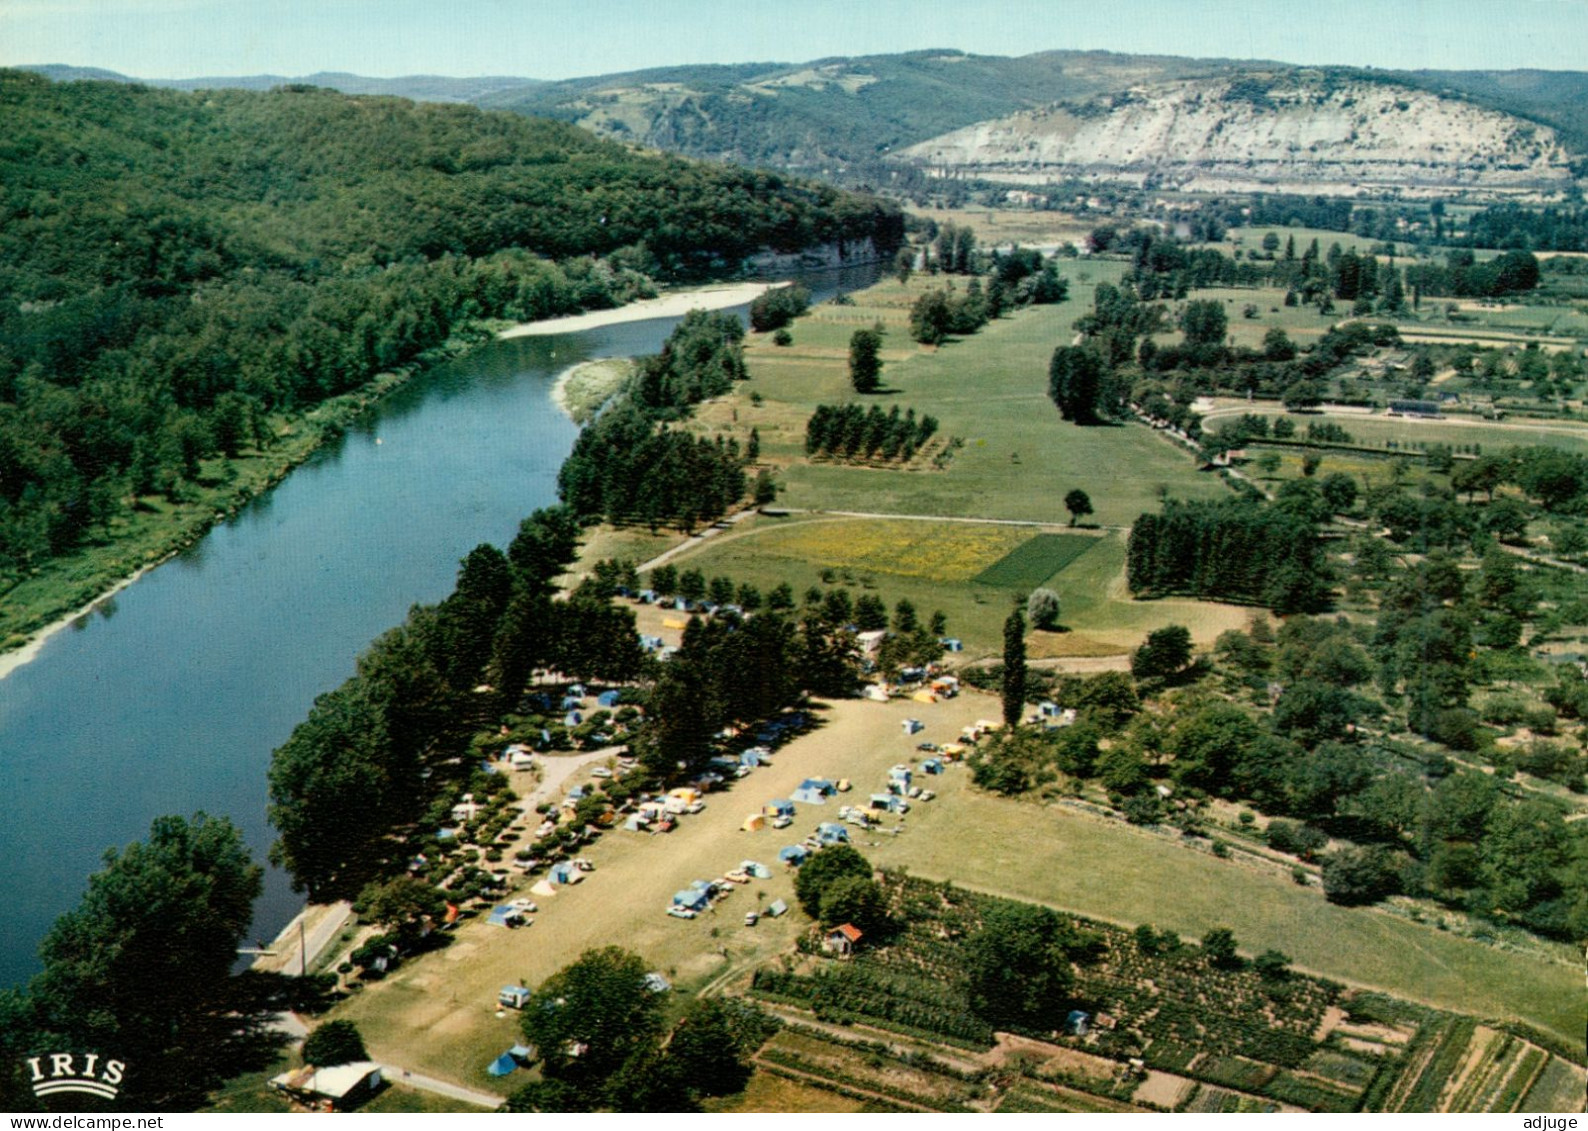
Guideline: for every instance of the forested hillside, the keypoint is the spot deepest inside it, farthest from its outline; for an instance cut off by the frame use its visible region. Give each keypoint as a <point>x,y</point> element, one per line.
<point>180,273</point>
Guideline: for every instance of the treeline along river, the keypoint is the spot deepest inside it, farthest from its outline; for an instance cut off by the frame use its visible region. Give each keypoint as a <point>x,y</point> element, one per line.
<point>171,698</point>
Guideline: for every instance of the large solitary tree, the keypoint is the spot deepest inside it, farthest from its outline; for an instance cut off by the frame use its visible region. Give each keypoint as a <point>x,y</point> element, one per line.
<point>865,361</point>
<point>1078,504</point>
<point>1014,683</point>
<point>1019,973</point>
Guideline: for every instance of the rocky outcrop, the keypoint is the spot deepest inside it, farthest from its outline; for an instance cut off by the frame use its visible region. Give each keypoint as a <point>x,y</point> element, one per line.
<point>1252,133</point>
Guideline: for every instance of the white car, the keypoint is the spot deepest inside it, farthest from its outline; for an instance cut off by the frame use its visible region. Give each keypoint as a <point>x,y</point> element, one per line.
<point>782,822</point>
<point>600,772</point>
<point>695,807</point>
<point>681,912</point>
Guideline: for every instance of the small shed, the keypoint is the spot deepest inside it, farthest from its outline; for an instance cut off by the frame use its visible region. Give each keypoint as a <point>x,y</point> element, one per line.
<point>913,726</point>
<point>754,823</point>
<point>343,1085</point>
<point>841,940</point>
<point>513,997</point>
<point>794,855</point>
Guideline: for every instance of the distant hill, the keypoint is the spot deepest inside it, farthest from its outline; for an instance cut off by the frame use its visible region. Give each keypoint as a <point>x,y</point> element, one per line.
<point>848,119</point>
<point>1296,131</point>
<point>420,88</point>
<point>833,116</point>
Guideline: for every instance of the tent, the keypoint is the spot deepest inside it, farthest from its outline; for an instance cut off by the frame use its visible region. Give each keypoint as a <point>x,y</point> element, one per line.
<point>502,1065</point>
<point>751,757</point>
<point>779,808</point>
<point>924,697</point>
<point>794,854</point>
<point>565,873</point>
<point>691,898</point>
<point>543,888</point>
<point>608,699</point>
<point>829,833</point>
<point>809,796</point>
<point>913,726</point>
<point>820,785</point>
<point>505,915</point>
<point>758,870</point>
<point>754,823</point>
<point>931,766</point>
<point>876,692</point>
<point>777,907</point>
<point>571,702</point>
<point>636,822</point>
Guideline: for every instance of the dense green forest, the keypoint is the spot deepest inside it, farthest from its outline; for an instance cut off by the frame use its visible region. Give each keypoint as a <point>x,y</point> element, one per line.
<point>180,273</point>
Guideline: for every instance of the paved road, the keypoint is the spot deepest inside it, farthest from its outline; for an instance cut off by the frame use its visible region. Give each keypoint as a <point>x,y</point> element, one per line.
<point>441,1087</point>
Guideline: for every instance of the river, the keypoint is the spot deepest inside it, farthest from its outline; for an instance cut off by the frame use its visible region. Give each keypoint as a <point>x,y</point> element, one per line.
<point>170,699</point>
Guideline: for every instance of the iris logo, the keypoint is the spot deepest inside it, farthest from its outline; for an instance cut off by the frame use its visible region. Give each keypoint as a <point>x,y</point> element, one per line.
<point>68,1072</point>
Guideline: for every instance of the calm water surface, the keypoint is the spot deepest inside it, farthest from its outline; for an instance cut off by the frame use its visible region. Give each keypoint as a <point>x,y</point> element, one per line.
<point>171,698</point>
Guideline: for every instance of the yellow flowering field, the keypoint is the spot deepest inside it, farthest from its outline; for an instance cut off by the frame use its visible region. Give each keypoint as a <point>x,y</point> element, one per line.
<point>937,551</point>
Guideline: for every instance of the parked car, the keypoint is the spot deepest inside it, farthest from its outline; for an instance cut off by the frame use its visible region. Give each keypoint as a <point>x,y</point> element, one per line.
<point>681,912</point>
<point>751,918</point>
<point>695,807</point>
<point>600,772</point>
<point>927,747</point>
<point>782,821</point>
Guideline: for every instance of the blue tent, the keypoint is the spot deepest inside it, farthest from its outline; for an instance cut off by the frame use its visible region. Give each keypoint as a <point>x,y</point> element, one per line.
<point>702,885</point>
<point>779,808</point>
<point>931,766</point>
<point>832,834</point>
<point>692,899</point>
<point>505,915</point>
<point>572,719</point>
<point>502,1065</point>
<point>561,873</point>
<point>820,785</point>
<point>571,702</point>
<point>809,796</point>
<point>750,758</point>
<point>609,699</point>
<point>758,870</point>
<point>794,854</point>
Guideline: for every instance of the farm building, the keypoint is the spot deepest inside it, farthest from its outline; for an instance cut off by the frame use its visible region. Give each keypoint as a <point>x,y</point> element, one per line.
<point>841,940</point>
<point>341,1086</point>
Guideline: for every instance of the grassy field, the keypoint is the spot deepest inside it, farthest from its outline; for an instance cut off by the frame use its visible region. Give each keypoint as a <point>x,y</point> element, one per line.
<point>939,566</point>
<point>995,227</point>
<point>1018,458</point>
<point>1035,560</point>
<point>1112,871</point>
<point>437,1015</point>
<point>1570,436</point>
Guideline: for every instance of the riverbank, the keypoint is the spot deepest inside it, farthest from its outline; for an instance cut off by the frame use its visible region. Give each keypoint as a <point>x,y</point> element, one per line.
<point>674,304</point>
<point>68,589</point>
<point>581,390</point>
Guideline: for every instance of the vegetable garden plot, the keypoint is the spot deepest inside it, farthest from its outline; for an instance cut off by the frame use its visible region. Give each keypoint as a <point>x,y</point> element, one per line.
<point>1035,560</point>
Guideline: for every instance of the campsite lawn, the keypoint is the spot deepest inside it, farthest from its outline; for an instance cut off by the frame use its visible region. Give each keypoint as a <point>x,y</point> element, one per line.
<point>437,1015</point>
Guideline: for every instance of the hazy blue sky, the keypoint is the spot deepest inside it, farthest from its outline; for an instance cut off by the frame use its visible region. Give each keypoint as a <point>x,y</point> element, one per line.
<point>562,38</point>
